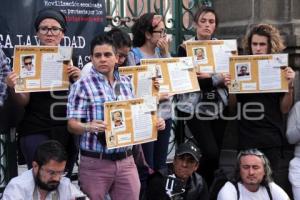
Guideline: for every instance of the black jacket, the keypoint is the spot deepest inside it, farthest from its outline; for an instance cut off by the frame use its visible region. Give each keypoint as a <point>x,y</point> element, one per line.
<point>195,188</point>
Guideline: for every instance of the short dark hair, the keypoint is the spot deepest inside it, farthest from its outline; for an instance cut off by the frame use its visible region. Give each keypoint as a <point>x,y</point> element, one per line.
<point>101,40</point>
<point>140,27</point>
<point>50,150</point>
<point>120,38</point>
<point>205,9</point>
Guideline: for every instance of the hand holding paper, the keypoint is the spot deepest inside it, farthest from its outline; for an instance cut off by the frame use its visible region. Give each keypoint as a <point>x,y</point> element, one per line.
<point>289,74</point>
<point>97,126</point>
<point>161,125</point>
<point>11,79</point>
<point>226,79</point>
<point>73,72</point>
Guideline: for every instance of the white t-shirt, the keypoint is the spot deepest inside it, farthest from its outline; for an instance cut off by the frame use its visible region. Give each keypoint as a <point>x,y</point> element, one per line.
<point>23,188</point>
<point>228,192</point>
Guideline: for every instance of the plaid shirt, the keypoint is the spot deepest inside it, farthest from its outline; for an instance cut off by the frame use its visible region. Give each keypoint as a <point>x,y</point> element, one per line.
<point>4,70</point>
<point>86,99</point>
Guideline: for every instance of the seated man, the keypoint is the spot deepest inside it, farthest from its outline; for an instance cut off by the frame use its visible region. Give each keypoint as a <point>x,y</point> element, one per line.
<point>46,179</point>
<point>183,183</point>
<point>252,179</point>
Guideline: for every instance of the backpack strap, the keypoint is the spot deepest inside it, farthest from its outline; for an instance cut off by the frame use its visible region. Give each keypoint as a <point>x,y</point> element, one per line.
<point>238,191</point>
<point>269,191</point>
<point>236,188</point>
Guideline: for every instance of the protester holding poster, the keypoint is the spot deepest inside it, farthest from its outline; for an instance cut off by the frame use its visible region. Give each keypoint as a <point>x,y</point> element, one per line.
<point>150,41</point>
<point>265,128</point>
<point>102,170</point>
<point>45,112</point>
<point>202,110</point>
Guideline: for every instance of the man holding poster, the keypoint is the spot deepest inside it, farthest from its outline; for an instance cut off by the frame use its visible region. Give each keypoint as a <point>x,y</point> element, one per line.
<point>102,170</point>
<point>262,124</point>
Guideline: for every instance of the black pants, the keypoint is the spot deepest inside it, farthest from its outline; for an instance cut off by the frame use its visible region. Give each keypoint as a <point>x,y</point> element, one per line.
<point>209,136</point>
<point>279,158</point>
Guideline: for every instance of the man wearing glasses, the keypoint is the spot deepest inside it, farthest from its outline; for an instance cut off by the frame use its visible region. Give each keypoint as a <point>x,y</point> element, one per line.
<point>46,179</point>
<point>253,179</point>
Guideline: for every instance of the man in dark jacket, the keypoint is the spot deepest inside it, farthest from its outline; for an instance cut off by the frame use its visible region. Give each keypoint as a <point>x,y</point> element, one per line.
<point>183,183</point>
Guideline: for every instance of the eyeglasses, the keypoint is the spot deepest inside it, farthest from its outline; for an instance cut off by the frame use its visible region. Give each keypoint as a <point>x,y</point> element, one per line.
<point>54,30</point>
<point>54,173</point>
<point>163,32</point>
<point>28,63</point>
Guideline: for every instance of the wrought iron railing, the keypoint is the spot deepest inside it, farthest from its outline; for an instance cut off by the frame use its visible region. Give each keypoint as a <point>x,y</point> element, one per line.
<point>8,158</point>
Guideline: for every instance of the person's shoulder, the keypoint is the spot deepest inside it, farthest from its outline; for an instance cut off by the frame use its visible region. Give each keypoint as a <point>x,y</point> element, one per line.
<point>229,185</point>
<point>19,186</point>
<point>228,191</point>
<point>23,179</point>
<point>277,192</point>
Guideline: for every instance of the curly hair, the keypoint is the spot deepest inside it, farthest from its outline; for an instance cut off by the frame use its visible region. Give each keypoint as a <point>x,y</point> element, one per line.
<point>267,168</point>
<point>140,27</point>
<point>275,42</point>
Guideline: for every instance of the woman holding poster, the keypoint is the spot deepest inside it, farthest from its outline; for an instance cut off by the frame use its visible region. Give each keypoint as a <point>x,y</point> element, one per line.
<point>150,41</point>
<point>44,111</point>
<point>202,111</point>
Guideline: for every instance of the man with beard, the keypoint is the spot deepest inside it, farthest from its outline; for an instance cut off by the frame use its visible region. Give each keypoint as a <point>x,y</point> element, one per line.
<point>252,179</point>
<point>45,181</point>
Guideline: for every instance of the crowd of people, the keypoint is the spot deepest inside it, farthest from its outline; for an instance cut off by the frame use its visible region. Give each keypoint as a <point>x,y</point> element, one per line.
<point>265,167</point>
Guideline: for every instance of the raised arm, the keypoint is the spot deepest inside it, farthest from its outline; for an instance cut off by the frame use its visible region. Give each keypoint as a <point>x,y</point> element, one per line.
<point>288,98</point>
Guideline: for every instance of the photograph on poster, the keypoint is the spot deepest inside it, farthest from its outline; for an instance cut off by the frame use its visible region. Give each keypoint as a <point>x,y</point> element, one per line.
<point>243,71</point>
<point>27,65</point>
<point>118,120</point>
